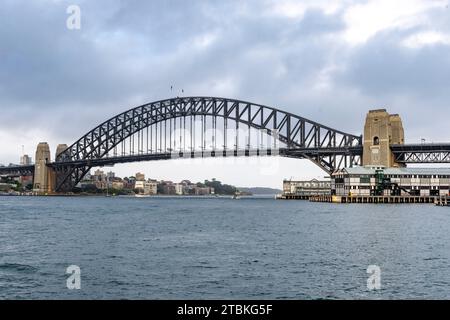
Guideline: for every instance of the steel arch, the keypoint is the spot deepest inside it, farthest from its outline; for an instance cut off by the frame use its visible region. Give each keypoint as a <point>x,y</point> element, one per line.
<point>303,138</point>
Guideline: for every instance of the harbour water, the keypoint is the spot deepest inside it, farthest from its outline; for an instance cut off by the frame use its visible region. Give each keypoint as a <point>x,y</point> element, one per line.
<point>213,248</point>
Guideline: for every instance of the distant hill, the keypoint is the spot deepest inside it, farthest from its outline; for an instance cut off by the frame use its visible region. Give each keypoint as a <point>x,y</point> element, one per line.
<point>260,190</point>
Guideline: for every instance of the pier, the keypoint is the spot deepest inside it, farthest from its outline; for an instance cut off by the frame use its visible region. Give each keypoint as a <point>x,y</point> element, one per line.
<point>443,201</point>
<point>375,199</point>
<point>292,197</point>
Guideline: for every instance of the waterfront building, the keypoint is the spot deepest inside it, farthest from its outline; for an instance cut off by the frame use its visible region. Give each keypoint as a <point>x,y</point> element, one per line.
<point>382,181</point>
<point>147,187</point>
<point>110,176</point>
<point>152,187</point>
<point>140,176</point>
<point>306,188</point>
<point>25,160</point>
<point>167,187</point>
<point>139,186</point>
<point>26,181</point>
<point>99,175</point>
<point>179,189</point>
<point>188,187</point>
<point>201,191</point>
<point>117,184</point>
<point>129,183</point>
<point>99,179</point>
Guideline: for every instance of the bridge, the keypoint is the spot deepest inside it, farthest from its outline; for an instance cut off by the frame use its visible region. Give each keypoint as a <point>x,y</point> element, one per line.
<point>190,127</point>
<point>422,153</point>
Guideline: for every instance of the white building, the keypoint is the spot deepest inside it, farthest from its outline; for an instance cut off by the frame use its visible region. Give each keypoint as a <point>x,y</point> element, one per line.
<point>25,160</point>
<point>380,181</point>
<point>140,176</point>
<point>147,187</point>
<point>306,188</point>
<point>179,189</point>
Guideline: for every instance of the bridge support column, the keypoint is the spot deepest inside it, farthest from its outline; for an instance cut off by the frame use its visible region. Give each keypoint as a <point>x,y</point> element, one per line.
<point>44,176</point>
<point>380,132</point>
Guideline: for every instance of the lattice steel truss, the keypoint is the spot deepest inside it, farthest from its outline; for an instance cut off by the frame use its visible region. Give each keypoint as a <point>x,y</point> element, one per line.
<point>17,171</point>
<point>422,153</point>
<point>298,137</point>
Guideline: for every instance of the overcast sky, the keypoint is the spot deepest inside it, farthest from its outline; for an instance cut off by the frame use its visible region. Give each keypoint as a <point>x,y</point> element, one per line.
<point>329,62</point>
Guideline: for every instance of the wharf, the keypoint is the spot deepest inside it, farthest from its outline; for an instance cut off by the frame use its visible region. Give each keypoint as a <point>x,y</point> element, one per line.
<point>292,197</point>
<point>443,201</point>
<point>375,199</point>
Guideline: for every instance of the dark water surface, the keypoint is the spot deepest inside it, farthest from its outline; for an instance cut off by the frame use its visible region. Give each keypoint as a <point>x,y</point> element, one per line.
<point>151,248</point>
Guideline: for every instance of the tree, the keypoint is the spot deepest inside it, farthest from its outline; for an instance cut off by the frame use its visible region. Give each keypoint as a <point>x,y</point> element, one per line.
<point>220,188</point>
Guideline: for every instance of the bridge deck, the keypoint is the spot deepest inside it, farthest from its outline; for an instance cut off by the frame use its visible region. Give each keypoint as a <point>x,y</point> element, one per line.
<point>422,153</point>
<point>408,153</point>
<point>17,171</point>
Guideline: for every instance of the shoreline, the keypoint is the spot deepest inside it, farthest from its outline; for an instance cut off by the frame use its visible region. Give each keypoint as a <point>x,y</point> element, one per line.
<point>222,196</point>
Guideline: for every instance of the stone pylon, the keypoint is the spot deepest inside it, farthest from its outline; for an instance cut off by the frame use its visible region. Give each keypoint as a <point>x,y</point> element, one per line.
<point>43,175</point>
<point>60,149</point>
<point>380,132</point>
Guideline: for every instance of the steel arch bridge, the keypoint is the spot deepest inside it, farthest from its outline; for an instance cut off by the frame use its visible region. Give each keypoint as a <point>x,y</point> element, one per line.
<point>187,127</point>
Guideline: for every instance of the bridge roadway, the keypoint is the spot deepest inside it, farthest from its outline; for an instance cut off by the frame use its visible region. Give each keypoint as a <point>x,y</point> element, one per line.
<point>299,153</point>
<point>408,154</point>
<point>17,171</point>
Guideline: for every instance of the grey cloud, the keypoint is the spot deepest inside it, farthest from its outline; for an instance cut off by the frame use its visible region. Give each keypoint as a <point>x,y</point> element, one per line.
<point>316,22</point>
<point>411,81</point>
<point>130,52</point>
<point>384,66</point>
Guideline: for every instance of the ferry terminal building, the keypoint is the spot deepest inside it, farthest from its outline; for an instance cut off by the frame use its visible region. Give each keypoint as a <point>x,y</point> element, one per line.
<point>381,181</point>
